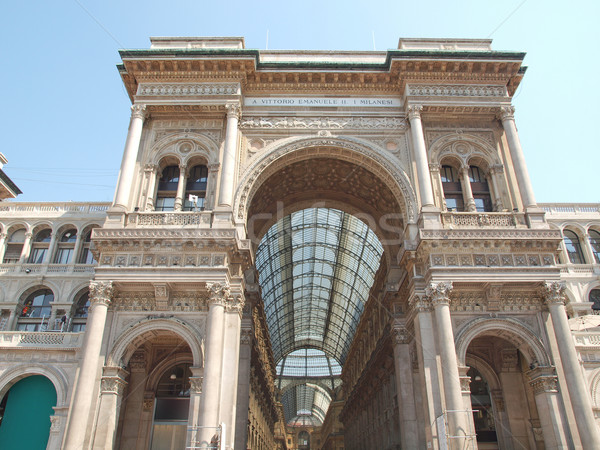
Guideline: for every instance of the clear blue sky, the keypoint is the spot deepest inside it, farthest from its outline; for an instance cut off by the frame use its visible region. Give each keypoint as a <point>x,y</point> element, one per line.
<point>65,113</point>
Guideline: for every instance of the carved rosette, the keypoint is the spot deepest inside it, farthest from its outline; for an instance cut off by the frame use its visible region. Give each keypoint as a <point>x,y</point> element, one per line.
<point>439,293</point>
<point>196,384</point>
<point>400,334</point>
<point>506,113</point>
<point>414,112</point>
<point>113,385</point>
<point>233,110</point>
<point>55,422</point>
<point>101,292</point>
<point>554,292</point>
<point>419,303</point>
<point>138,111</point>
<point>246,336</point>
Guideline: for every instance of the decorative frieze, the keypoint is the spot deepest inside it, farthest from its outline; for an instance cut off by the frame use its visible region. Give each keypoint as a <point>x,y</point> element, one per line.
<point>324,123</point>
<point>187,89</point>
<point>490,260</point>
<point>456,90</point>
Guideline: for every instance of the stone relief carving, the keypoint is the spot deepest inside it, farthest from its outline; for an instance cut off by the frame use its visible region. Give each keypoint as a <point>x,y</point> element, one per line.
<point>456,90</point>
<point>336,123</point>
<point>187,89</point>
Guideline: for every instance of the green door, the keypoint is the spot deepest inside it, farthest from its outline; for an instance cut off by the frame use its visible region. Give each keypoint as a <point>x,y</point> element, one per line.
<point>27,409</point>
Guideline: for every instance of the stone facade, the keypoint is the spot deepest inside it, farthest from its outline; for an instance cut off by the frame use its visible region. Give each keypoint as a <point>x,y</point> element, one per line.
<point>480,326</point>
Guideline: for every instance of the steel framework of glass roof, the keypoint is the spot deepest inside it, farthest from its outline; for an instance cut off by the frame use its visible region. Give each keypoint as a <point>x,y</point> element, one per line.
<point>316,267</point>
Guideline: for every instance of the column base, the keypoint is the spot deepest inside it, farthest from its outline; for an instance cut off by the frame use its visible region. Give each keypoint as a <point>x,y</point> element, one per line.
<point>536,217</point>
<point>430,217</point>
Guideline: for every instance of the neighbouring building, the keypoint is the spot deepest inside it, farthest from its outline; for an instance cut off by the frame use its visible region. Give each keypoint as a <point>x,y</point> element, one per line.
<point>306,250</point>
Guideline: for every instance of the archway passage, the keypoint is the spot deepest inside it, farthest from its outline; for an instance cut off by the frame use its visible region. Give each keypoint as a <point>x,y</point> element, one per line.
<point>26,409</point>
<point>316,268</point>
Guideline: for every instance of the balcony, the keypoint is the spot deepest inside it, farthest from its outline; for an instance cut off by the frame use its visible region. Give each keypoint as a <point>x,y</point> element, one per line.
<point>45,269</point>
<point>483,220</point>
<point>196,219</point>
<point>44,340</point>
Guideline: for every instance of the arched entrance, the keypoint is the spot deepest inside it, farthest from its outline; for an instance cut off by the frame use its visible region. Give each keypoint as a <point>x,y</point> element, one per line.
<point>25,412</point>
<point>327,224</point>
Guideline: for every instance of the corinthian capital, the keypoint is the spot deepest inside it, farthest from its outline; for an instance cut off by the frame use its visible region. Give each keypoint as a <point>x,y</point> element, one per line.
<point>554,292</point>
<point>219,292</point>
<point>233,109</point>
<point>101,292</point>
<point>414,111</point>
<point>235,303</point>
<point>439,293</point>
<point>506,113</point>
<point>138,111</point>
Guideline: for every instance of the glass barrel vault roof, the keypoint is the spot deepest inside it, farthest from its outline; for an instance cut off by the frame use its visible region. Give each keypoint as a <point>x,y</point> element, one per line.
<point>316,267</point>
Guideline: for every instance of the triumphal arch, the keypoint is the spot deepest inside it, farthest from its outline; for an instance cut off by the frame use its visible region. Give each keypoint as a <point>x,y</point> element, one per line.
<point>326,250</point>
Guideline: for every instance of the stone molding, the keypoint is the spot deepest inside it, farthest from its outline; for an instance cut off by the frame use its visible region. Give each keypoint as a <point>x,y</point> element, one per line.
<point>554,293</point>
<point>439,293</point>
<point>456,90</point>
<point>320,123</point>
<point>419,303</point>
<point>187,89</point>
<point>184,234</point>
<point>511,233</point>
<point>101,292</point>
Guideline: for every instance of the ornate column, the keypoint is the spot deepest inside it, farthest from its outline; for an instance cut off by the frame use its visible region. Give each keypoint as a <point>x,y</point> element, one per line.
<point>439,294</point>
<point>196,382</point>
<point>111,393</point>
<point>465,182</point>
<point>409,434</point>
<point>243,399</point>
<point>234,307</point>
<point>229,155</point>
<point>181,187</point>
<point>213,362</point>
<point>151,173</point>
<point>100,297</point>
<point>420,310</point>
<point>132,145</point>
<point>507,117</point>
<point>495,172</point>
<point>544,382</point>
<point>420,154</point>
<point>26,247</point>
<point>579,394</point>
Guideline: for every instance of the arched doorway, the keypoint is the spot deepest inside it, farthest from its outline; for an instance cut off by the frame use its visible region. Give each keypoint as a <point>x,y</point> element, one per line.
<point>25,412</point>
<point>326,224</point>
<point>483,414</point>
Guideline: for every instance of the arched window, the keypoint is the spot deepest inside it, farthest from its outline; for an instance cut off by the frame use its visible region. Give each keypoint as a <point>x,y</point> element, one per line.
<point>167,189</point>
<point>39,249</point>
<point>452,190</point>
<point>14,246</point>
<point>595,243</point>
<point>86,256</point>
<point>480,188</point>
<point>80,313</point>
<point>595,298</point>
<point>196,187</point>
<point>573,247</point>
<point>66,247</point>
<point>36,310</point>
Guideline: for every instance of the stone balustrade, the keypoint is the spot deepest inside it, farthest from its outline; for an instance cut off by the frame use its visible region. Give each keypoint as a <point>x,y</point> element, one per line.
<point>10,208</point>
<point>44,340</point>
<point>201,219</point>
<point>479,220</point>
<point>43,269</point>
<point>570,209</point>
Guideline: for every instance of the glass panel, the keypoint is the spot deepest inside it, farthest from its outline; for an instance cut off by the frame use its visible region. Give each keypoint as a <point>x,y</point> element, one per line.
<point>43,236</point>
<point>595,243</point>
<point>63,255</point>
<point>595,297</point>
<point>165,203</point>
<point>69,236</point>
<point>573,247</point>
<point>171,409</point>
<point>37,255</point>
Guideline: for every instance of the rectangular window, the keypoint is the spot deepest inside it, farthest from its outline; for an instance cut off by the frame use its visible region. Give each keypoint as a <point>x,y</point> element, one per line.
<point>63,256</point>
<point>165,204</point>
<point>37,255</point>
